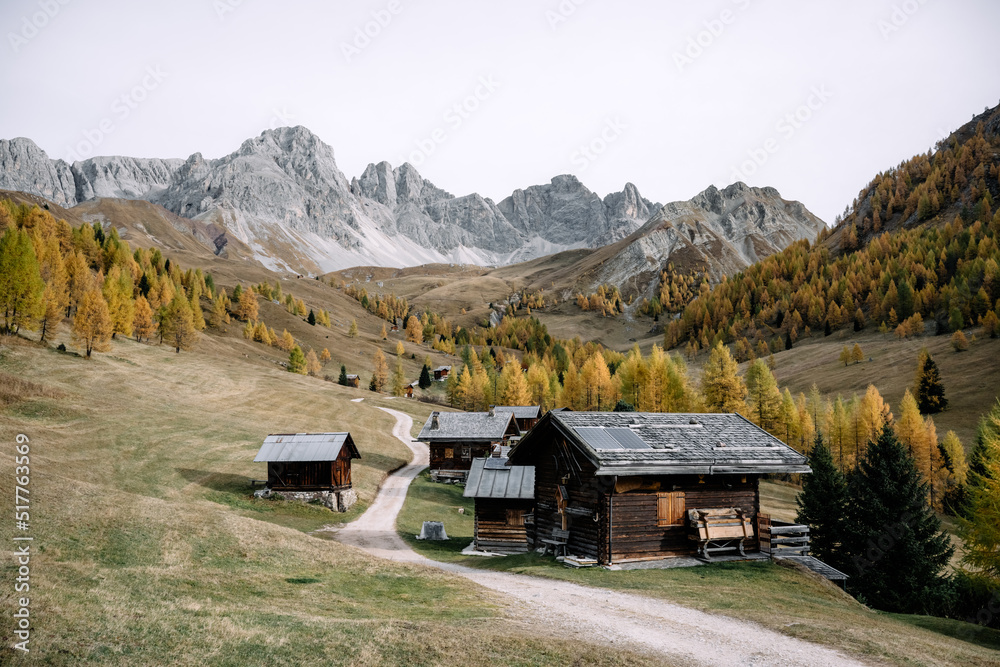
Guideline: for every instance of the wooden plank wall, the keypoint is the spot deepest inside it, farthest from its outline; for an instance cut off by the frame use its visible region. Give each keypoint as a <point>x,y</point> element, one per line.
<point>498,528</point>
<point>439,460</point>
<point>585,494</point>
<point>634,531</point>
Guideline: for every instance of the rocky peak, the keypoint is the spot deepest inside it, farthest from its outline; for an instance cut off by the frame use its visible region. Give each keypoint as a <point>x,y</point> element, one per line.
<point>27,168</point>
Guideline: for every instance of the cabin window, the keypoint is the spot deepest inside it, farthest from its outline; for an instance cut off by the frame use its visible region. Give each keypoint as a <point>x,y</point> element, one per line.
<point>670,509</point>
<point>449,453</point>
<point>466,453</point>
<point>515,517</point>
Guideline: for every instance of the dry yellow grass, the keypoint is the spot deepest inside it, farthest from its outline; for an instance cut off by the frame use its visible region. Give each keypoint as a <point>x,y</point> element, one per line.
<point>149,549</point>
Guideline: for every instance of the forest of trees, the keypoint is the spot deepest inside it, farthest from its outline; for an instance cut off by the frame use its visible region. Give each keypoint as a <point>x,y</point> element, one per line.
<point>54,273</point>
<point>950,276</point>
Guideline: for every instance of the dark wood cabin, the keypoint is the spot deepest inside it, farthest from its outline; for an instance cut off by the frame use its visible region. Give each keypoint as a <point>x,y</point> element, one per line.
<point>621,483</point>
<point>353,380</point>
<point>441,373</point>
<point>308,461</point>
<point>526,416</point>
<point>505,498</point>
<point>456,438</point>
<point>409,391</point>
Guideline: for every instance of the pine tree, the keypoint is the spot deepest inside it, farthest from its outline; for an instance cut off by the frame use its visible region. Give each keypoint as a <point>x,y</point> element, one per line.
<point>143,325</point>
<point>92,324</point>
<point>724,389</point>
<point>246,304</point>
<point>896,547</point>
<point>312,318</point>
<point>980,527</point>
<point>353,330</point>
<point>929,390</point>
<point>823,504</point>
<point>296,361</point>
<point>342,380</point>
<point>414,330</point>
<point>178,324</point>
<point>117,292</point>
<point>381,370</point>
<point>21,286</point>
<point>857,356</point>
<point>425,377</point>
<point>313,367</point>
<point>515,386</point>
<point>398,378</point>
<point>763,397</point>
<point>285,341</point>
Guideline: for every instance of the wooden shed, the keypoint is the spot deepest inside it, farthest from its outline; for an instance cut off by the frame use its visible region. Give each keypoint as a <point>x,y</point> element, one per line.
<point>526,416</point>
<point>441,373</point>
<point>622,483</point>
<point>308,461</point>
<point>456,438</point>
<point>505,498</point>
<point>353,380</point>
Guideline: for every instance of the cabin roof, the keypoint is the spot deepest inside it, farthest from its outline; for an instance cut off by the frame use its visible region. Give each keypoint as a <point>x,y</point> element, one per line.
<point>443,368</point>
<point>301,447</point>
<point>637,443</point>
<point>351,376</point>
<point>463,426</point>
<point>493,478</point>
<point>521,411</point>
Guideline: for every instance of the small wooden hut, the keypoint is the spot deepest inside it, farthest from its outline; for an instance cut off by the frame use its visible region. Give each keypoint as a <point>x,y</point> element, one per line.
<point>505,498</point>
<point>441,373</point>
<point>308,461</point>
<point>353,380</point>
<point>622,483</point>
<point>456,438</point>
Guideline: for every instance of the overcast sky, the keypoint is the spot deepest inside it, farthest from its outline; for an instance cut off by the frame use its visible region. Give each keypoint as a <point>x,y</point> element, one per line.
<point>812,98</point>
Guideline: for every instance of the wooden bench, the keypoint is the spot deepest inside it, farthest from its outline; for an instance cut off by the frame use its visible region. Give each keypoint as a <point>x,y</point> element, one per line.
<point>720,530</point>
<point>556,542</point>
<point>450,476</point>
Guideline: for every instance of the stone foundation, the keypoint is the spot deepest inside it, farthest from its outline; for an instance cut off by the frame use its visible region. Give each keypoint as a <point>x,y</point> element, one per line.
<point>335,501</point>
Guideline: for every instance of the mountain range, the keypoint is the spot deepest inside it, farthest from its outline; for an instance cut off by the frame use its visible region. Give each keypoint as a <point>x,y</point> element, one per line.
<point>283,198</point>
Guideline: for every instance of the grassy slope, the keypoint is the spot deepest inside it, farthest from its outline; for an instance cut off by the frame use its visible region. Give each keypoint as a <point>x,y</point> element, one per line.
<point>786,600</point>
<point>149,550</point>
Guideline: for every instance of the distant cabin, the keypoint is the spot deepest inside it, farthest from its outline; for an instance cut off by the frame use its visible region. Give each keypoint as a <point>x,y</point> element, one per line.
<point>621,484</point>
<point>456,438</point>
<point>353,380</point>
<point>409,389</point>
<point>504,497</point>
<point>441,373</point>
<point>308,461</point>
<point>526,416</point>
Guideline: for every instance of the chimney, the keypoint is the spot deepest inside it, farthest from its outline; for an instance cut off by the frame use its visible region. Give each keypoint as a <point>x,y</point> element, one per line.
<point>434,421</point>
<point>493,412</point>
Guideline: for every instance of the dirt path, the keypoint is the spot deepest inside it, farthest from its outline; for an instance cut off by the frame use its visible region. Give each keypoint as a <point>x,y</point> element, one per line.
<point>678,634</point>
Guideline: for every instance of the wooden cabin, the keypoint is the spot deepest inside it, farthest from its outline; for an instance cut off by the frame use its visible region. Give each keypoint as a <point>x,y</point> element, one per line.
<point>456,438</point>
<point>505,498</point>
<point>622,483</point>
<point>353,380</point>
<point>308,461</point>
<point>526,416</point>
<point>410,388</point>
<point>441,373</point>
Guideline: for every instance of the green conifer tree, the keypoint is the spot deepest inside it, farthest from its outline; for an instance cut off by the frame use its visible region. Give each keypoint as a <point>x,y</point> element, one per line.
<point>297,361</point>
<point>822,505</point>
<point>894,542</point>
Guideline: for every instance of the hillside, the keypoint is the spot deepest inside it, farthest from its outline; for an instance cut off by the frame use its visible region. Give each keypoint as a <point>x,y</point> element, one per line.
<point>150,547</point>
